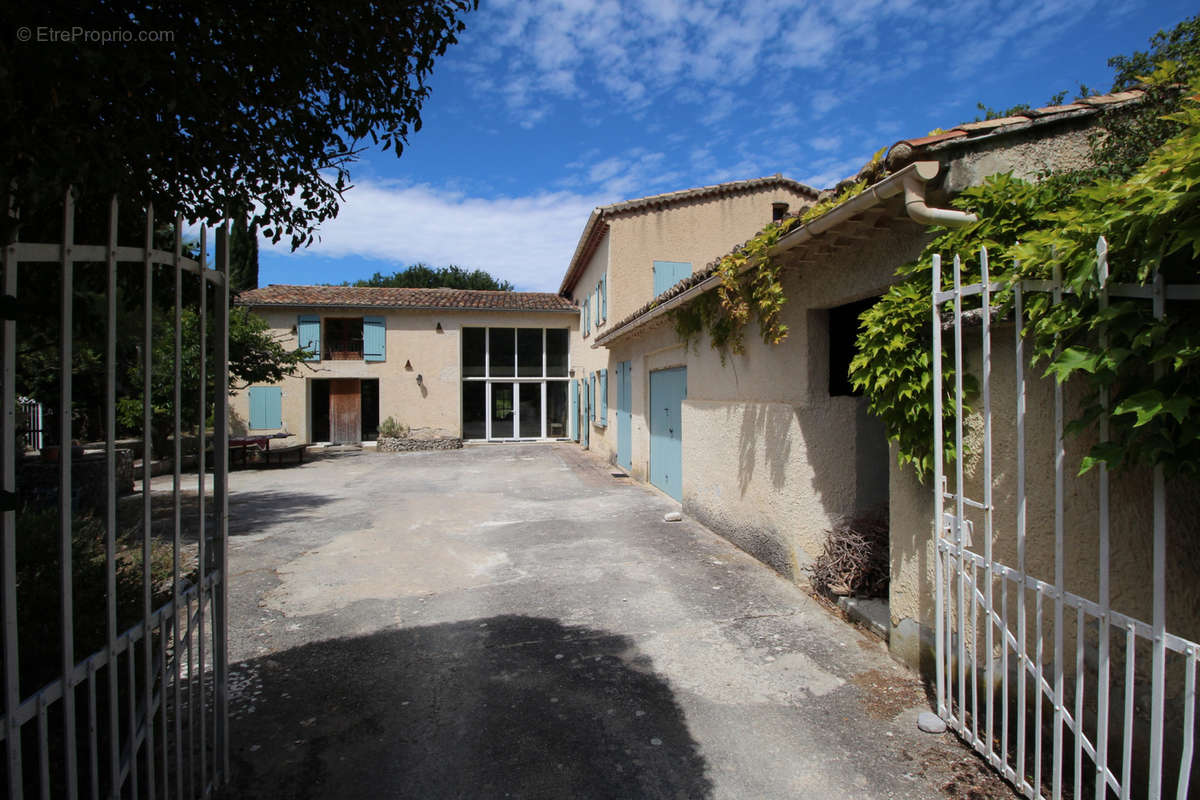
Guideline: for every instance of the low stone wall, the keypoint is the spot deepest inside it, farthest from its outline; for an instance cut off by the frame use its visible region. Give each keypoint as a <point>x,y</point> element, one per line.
<point>37,480</point>
<point>408,444</point>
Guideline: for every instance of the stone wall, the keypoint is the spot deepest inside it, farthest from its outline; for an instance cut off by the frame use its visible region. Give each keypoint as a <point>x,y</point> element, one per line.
<point>408,444</point>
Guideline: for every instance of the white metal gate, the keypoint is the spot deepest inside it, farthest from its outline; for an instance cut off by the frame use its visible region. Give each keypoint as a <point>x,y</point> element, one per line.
<point>145,715</point>
<point>1049,718</point>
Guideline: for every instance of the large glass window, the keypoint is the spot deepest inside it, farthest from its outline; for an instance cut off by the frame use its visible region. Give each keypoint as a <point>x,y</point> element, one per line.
<point>529,352</point>
<point>474,351</point>
<point>501,352</point>
<point>556,353</point>
<point>514,383</point>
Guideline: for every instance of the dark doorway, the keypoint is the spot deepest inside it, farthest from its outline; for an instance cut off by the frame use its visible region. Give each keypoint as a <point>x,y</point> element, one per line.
<point>345,410</point>
<point>843,345</point>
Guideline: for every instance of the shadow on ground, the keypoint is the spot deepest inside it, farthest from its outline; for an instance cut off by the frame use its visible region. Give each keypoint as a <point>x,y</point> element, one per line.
<point>507,706</point>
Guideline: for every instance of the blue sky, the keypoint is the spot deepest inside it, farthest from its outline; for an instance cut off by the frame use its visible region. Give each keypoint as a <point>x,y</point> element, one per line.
<point>549,108</point>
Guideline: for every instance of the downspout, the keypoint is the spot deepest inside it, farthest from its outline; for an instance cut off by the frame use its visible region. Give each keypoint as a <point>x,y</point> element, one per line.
<point>920,211</point>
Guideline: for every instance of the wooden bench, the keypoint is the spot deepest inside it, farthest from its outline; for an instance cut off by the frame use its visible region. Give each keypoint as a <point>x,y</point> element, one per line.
<point>295,449</point>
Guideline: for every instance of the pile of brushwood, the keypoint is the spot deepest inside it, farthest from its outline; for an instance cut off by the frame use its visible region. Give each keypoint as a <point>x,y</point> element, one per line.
<point>855,560</point>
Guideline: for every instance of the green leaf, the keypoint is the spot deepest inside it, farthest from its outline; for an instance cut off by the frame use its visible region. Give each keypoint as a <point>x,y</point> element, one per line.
<point>1145,404</point>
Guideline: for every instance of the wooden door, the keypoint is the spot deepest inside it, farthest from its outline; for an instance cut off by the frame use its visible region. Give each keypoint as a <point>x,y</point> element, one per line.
<point>345,411</point>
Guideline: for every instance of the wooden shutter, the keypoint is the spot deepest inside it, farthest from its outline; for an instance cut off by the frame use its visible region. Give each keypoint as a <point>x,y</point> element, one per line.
<point>374,339</point>
<point>604,296</point>
<point>604,397</point>
<point>308,332</point>
<point>266,407</point>
<point>669,273</point>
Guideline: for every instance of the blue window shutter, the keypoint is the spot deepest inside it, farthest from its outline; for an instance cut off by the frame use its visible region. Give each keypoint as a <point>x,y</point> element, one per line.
<point>604,396</point>
<point>308,332</point>
<point>669,273</point>
<point>573,416</point>
<point>587,315</point>
<point>597,310</point>
<point>592,395</point>
<point>604,296</point>
<point>374,339</point>
<point>266,407</point>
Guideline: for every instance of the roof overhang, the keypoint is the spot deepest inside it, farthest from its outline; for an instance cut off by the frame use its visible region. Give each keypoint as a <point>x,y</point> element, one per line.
<point>814,230</point>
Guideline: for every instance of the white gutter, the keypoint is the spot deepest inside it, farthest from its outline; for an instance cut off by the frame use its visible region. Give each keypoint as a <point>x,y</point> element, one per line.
<point>911,180</point>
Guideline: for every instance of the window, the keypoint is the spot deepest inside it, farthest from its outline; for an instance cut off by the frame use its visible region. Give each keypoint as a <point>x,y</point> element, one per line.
<point>266,408</point>
<point>501,352</point>
<point>587,315</point>
<point>669,273</point>
<point>778,211</point>
<point>843,345</point>
<point>343,338</point>
<point>556,352</point>
<point>514,382</point>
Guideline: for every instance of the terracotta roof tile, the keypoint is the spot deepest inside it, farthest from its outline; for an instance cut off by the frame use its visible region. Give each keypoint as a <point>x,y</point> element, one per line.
<point>907,150</point>
<point>377,297</point>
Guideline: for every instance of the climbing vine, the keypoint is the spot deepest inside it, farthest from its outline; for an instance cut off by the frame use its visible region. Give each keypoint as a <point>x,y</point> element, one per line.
<point>750,287</point>
<point>1152,223</point>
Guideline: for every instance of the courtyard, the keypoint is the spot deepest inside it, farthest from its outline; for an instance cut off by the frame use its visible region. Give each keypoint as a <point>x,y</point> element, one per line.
<point>516,621</point>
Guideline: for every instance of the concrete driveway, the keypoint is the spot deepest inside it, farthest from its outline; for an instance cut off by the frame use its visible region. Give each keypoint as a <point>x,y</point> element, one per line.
<point>513,621</point>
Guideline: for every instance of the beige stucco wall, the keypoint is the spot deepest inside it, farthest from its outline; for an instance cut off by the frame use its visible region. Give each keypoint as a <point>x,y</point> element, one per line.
<point>413,339</point>
<point>771,460</point>
<point>697,231</point>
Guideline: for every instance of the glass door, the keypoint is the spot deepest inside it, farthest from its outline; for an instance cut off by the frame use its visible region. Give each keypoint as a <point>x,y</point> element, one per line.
<point>529,422</point>
<point>502,411</point>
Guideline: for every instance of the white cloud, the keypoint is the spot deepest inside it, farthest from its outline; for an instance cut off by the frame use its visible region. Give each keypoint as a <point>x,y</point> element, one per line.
<point>525,240</point>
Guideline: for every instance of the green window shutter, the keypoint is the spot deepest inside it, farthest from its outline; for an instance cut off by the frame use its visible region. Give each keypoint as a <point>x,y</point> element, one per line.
<point>604,397</point>
<point>592,396</point>
<point>597,309</point>
<point>374,339</point>
<point>587,315</point>
<point>604,296</point>
<point>308,332</point>
<point>266,407</point>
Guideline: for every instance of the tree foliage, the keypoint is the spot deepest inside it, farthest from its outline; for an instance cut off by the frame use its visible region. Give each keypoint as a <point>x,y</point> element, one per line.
<point>423,276</point>
<point>232,105</point>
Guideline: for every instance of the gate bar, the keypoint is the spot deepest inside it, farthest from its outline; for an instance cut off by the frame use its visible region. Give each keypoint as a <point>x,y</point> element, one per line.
<point>221,507</point>
<point>110,533</point>
<point>8,526</point>
<point>1103,689</point>
<point>939,492</point>
<point>177,509</point>
<point>987,491</point>
<point>1060,456</point>
<point>202,554</point>
<point>959,491</point>
<point>1158,677</point>
<point>147,518</point>
<point>65,460</point>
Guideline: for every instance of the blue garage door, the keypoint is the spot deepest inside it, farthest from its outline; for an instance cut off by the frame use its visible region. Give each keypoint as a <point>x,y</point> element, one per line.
<point>668,388</point>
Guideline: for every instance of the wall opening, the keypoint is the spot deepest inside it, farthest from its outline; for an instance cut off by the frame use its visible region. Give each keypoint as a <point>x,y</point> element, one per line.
<point>362,417</point>
<point>843,339</point>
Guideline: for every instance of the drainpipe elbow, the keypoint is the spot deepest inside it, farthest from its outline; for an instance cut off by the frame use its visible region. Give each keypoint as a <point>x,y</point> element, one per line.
<point>920,211</point>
